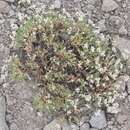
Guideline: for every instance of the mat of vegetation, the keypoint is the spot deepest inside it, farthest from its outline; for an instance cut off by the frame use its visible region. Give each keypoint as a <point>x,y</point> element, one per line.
<point>72,67</point>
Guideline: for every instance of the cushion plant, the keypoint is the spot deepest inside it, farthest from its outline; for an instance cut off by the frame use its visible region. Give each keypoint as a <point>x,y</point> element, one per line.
<point>71,65</point>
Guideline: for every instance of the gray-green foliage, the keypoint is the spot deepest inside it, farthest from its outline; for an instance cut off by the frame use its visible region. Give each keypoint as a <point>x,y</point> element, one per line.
<point>72,65</point>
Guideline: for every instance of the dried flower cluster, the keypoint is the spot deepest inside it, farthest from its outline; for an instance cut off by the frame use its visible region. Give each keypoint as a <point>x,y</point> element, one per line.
<point>70,64</point>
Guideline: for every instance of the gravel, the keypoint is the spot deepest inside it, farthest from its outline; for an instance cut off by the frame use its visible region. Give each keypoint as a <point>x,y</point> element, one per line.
<point>112,19</point>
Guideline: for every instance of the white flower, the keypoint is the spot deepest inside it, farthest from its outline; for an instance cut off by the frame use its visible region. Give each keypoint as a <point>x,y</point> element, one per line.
<point>88,97</point>
<point>114,49</point>
<point>99,49</point>
<point>77,90</point>
<point>92,49</point>
<point>86,46</point>
<point>102,53</point>
<point>97,60</point>
<point>101,70</point>
<point>68,112</point>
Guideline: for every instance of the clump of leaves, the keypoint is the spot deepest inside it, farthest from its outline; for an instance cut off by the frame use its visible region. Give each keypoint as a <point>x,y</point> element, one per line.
<point>70,64</point>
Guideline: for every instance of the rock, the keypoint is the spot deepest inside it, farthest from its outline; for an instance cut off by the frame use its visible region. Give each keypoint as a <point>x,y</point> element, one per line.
<point>92,2</point>
<point>98,120</point>
<point>83,120</point>
<point>128,17</point>
<point>107,128</point>
<point>3,125</point>
<point>115,22</point>
<point>74,127</point>
<point>4,7</point>
<point>128,66</point>
<point>85,126</point>
<point>110,127</point>
<point>57,4</point>
<point>93,129</point>
<point>101,25</point>
<point>123,45</point>
<point>120,84</point>
<point>11,1</point>
<point>109,5</point>
<point>67,126</point>
<point>128,86</point>
<point>13,126</point>
<point>115,128</point>
<point>123,31</point>
<point>124,128</point>
<point>129,98</point>
<point>60,123</point>
<point>121,118</point>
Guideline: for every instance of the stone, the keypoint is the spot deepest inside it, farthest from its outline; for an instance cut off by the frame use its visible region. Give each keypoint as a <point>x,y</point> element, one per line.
<point>128,17</point>
<point>11,1</point>
<point>57,4</point>
<point>115,128</point>
<point>110,127</point>
<point>83,120</point>
<point>120,84</point>
<point>73,127</point>
<point>3,124</point>
<point>115,22</point>
<point>98,120</point>
<point>66,126</point>
<point>109,5</point>
<point>124,128</point>
<point>128,86</point>
<point>121,118</point>
<point>13,126</point>
<point>92,2</point>
<point>60,123</point>
<point>129,98</point>
<point>107,129</point>
<point>101,25</point>
<point>123,45</point>
<point>123,31</point>
<point>4,7</point>
<point>85,126</point>
<point>93,129</point>
<point>128,67</point>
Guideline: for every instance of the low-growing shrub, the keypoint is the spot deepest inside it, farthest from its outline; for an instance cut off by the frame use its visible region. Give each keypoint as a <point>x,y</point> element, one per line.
<point>71,65</point>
